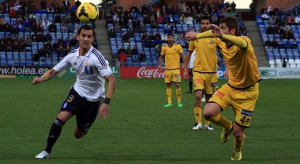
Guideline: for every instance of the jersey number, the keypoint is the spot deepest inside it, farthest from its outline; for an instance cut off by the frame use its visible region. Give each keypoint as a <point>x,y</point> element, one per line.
<point>243,119</point>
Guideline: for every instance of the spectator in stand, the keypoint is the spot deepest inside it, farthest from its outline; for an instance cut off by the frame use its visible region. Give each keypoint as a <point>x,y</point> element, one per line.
<point>2,10</point>
<point>7,7</point>
<point>71,27</point>
<point>125,37</point>
<point>134,50</point>
<point>52,27</point>
<point>291,20</point>
<point>14,28</point>
<point>267,44</point>
<point>47,49</point>
<point>28,41</point>
<point>297,19</point>
<point>142,57</point>
<point>19,19</point>
<point>112,32</point>
<point>284,63</point>
<point>117,27</point>
<point>63,28</point>
<point>265,15</point>
<point>189,20</point>
<point>12,12</point>
<point>160,19</point>
<point>253,6</point>
<point>287,33</point>
<point>38,27</point>
<point>78,3</point>
<point>61,51</point>
<point>142,27</point>
<point>109,18</point>
<point>269,29</point>
<point>8,46</point>
<point>243,31</point>
<point>57,18</point>
<point>128,51</point>
<point>136,25</point>
<point>45,23</point>
<point>47,37</point>
<point>15,46</point>
<point>43,4</point>
<point>153,22</point>
<point>214,18</point>
<point>284,19</point>
<point>274,43</point>
<point>55,46</point>
<point>2,45</point>
<point>272,20</point>
<point>233,6</point>
<point>104,8</point>
<point>66,5</point>
<point>182,18</point>
<point>50,10</point>
<point>146,42</point>
<point>122,58</point>
<point>22,45</point>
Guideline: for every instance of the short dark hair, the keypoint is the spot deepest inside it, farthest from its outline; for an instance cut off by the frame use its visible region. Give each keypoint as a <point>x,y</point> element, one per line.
<point>231,23</point>
<point>86,27</point>
<point>170,34</point>
<point>204,18</point>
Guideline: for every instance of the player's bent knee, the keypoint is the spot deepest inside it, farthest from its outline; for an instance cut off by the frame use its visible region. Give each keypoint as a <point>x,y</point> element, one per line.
<point>78,133</point>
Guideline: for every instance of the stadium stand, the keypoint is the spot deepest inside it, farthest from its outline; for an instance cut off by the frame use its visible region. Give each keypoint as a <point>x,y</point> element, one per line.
<point>36,37</point>
<point>276,25</point>
<point>150,26</point>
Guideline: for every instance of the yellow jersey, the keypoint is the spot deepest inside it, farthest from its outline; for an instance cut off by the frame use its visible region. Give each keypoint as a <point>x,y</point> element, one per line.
<point>206,54</point>
<point>172,55</point>
<point>241,64</point>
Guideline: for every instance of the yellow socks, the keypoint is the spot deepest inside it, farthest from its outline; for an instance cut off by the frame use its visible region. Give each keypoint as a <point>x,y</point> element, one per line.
<point>169,95</point>
<point>198,114</point>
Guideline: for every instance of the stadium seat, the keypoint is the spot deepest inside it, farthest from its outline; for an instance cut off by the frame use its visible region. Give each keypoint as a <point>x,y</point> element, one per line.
<point>272,62</point>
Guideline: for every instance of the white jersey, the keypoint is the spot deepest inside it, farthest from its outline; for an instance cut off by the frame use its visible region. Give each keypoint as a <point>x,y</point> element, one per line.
<point>191,63</point>
<point>90,70</point>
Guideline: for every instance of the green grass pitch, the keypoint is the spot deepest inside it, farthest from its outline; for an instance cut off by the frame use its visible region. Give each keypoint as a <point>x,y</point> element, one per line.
<point>140,130</point>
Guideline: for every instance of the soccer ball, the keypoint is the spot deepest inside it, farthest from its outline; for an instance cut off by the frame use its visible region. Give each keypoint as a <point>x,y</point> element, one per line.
<point>87,12</point>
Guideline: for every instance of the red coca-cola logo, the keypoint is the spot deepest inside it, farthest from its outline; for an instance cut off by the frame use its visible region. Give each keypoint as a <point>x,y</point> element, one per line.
<point>150,72</point>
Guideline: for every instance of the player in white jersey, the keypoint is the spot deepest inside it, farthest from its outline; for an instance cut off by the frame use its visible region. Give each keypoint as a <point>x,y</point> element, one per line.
<point>87,97</point>
<point>190,78</point>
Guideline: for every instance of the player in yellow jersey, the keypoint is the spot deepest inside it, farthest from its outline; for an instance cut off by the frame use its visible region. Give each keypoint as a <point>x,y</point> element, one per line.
<point>242,90</point>
<point>204,71</point>
<point>172,52</point>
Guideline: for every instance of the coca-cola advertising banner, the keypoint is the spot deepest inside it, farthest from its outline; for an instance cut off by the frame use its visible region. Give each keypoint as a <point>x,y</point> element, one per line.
<point>151,72</point>
<point>142,72</point>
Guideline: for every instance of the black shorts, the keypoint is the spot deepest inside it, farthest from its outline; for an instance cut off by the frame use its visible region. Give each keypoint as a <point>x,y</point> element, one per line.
<point>191,72</point>
<point>85,111</point>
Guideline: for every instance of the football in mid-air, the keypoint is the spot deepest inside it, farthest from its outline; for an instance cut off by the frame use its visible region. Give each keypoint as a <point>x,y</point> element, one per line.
<point>87,12</point>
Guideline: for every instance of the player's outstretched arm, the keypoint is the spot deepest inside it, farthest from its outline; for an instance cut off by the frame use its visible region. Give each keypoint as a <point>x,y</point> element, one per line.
<point>228,38</point>
<point>46,76</point>
<point>104,108</point>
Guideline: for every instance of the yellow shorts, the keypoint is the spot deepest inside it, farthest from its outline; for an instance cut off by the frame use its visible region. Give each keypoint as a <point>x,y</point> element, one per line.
<point>208,83</point>
<point>242,102</point>
<point>172,76</point>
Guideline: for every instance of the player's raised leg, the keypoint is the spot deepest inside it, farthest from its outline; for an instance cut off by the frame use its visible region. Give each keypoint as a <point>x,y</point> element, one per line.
<point>54,133</point>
